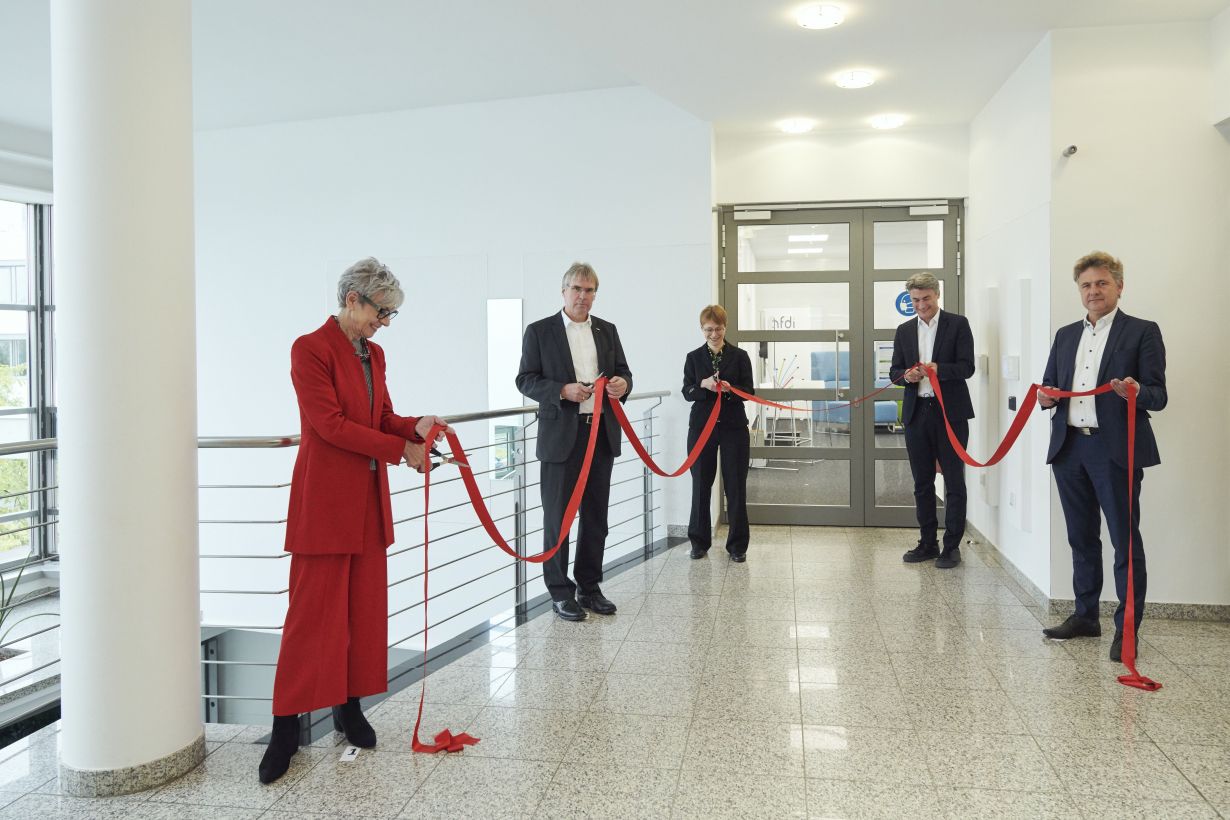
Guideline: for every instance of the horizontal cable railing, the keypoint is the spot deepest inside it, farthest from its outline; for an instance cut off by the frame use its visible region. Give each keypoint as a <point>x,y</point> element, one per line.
<point>514,469</point>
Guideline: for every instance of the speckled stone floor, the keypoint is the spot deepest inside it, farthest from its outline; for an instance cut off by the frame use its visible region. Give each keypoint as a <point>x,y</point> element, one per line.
<point>823,678</point>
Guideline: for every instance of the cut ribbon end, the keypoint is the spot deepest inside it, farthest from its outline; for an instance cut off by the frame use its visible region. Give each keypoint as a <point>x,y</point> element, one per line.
<point>446,741</point>
<point>1139,681</point>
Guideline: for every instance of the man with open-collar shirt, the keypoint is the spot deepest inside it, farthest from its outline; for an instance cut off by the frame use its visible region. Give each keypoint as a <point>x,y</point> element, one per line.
<point>943,341</point>
<point>1088,449</point>
<point>561,358</point>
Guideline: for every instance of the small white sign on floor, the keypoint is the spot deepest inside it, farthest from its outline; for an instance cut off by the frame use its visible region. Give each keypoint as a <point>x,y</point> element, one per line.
<point>350,755</point>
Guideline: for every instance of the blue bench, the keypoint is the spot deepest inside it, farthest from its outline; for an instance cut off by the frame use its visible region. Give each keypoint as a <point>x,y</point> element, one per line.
<point>824,366</point>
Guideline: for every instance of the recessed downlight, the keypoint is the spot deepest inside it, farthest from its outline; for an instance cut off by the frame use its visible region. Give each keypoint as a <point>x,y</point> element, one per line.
<point>858,78</point>
<point>887,121</point>
<point>820,15</point>
<point>797,125</point>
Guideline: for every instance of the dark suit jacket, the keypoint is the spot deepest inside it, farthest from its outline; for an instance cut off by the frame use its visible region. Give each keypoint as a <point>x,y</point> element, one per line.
<point>1134,348</point>
<point>546,366</point>
<point>953,354</point>
<point>736,369</point>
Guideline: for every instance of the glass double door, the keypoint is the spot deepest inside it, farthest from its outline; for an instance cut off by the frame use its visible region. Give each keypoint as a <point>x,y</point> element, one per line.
<point>815,297</point>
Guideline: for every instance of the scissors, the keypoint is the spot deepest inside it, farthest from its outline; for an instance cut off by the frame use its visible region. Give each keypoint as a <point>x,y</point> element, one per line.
<point>445,459</point>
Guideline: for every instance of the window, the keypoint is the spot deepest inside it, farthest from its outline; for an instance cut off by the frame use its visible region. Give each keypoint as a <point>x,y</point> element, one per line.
<point>26,407</point>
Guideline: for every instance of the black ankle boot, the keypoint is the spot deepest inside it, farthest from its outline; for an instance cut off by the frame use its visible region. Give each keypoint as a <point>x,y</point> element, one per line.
<point>348,719</point>
<point>283,744</point>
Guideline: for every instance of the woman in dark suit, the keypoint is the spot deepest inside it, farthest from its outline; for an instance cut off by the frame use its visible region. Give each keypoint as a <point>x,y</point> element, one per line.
<point>334,643</point>
<point>718,359</point>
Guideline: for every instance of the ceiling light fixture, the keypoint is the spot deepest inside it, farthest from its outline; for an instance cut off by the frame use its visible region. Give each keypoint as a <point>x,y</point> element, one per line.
<point>808,237</point>
<point>886,121</point>
<point>805,250</point>
<point>797,125</point>
<point>858,78</point>
<point>820,15</point>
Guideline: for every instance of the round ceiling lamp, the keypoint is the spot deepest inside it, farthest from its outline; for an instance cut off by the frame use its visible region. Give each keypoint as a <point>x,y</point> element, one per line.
<point>858,78</point>
<point>887,121</point>
<point>797,125</point>
<point>820,15</point>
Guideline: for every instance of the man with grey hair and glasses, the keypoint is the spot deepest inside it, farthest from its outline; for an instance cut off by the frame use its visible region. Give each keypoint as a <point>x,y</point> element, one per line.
<point>943,341</point>
<point>561,358</point>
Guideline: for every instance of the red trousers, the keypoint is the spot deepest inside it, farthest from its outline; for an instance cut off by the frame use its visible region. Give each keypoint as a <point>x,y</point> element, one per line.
<point>335,640</point>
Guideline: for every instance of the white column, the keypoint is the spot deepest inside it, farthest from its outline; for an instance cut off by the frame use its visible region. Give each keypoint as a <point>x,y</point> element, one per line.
<point>125,353</point>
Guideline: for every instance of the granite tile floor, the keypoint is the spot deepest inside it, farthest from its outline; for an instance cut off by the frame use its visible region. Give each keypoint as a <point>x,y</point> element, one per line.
<point>823,678</point>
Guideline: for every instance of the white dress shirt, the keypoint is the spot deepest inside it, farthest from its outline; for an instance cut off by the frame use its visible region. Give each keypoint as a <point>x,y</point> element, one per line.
<point>926,348</point>
<point>584,354</point>
<point>1082,412</point>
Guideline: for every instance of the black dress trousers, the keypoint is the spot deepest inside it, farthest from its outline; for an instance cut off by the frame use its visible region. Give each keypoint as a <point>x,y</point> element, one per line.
<point>734,442</point>
<point>558,481</point>
<point>926,442</point>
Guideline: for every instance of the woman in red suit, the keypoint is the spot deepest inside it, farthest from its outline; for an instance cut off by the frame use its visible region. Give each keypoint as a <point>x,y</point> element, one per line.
<point>335,641</point>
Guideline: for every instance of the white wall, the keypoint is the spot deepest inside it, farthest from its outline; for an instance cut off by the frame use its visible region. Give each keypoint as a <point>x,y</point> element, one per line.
<point>1007,293</point>
<point>1151,184</point>
<point>1219,44</point>
<point>465,203</point>
<point>906,164</point>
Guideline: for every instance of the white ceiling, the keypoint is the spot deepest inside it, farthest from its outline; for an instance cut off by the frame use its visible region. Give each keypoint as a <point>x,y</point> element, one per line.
<point>740,64</point>
<point>744,64</point>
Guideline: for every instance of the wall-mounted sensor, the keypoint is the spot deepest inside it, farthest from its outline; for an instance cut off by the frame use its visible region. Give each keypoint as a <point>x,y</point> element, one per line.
<point>1069,151</point>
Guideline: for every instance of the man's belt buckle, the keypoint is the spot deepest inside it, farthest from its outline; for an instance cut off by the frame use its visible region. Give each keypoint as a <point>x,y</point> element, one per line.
<point>587,418</point>
<point>1086,431</point>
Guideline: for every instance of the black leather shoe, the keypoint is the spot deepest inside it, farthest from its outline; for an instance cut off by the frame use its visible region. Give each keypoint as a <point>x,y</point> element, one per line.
<point>283,743</point>
<point>1074,627</point>
<point>1116,646</point>
<point>738,557</point>
<point>923,552</point>
<point>596,602</point>
<point>949,558</point>
<point>568,609</point>
<point>348,719</point>
<point>698,553</point>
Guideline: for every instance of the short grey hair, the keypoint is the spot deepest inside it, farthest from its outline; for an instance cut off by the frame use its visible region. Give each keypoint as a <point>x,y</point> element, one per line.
<point>371,278</point>
<point>579,270</point>
<point>923,281</point>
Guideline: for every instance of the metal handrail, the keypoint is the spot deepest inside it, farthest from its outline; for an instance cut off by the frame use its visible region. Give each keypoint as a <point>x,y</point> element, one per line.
<point>16,448</point>
<point>257,442</point>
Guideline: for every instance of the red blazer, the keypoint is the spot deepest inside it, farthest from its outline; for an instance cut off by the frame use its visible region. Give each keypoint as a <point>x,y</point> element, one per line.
<point>341,434</point>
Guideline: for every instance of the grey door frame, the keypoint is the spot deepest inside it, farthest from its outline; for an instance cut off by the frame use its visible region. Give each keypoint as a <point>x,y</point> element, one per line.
<point>950,279</point>
<point>861,454</point>
<point>850,514</point>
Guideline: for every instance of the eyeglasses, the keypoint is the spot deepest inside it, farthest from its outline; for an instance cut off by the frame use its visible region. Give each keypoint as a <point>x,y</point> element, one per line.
<point>381,313</point>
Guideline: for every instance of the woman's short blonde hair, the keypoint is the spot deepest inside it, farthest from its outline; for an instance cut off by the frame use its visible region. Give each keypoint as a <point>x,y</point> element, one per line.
<point>715,314</point>
<point>371,278</point>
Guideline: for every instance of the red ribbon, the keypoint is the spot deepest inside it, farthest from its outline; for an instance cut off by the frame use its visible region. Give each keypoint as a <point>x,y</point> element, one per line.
<point>448,742</point>
<point>617,411</point>
<point>1134,678</point>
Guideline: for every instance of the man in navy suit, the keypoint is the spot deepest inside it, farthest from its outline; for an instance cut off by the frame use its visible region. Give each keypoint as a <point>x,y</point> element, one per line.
<point>943,341</point>
<point>1088,450</point>
<point>561,358</point>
